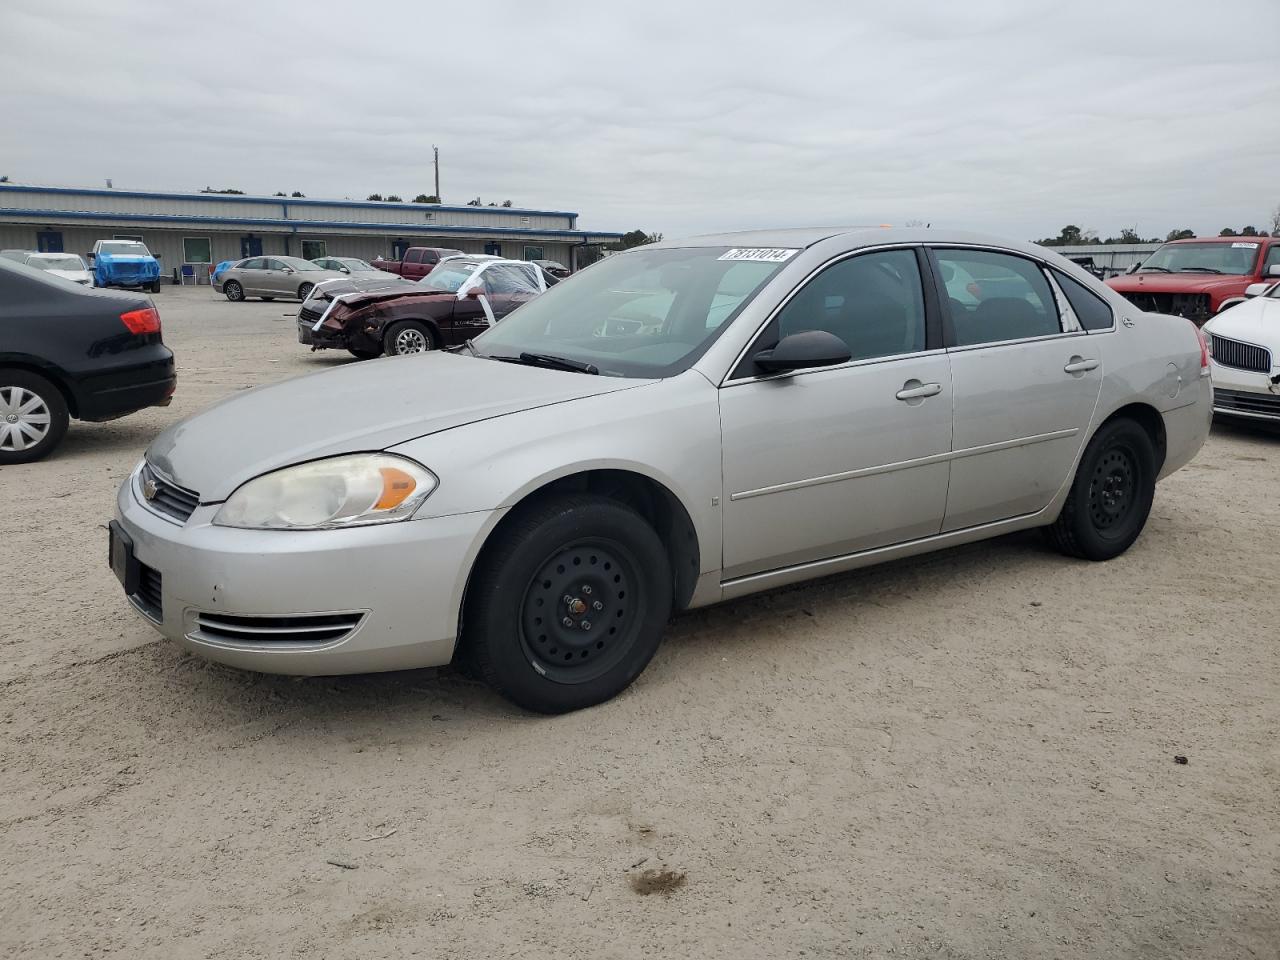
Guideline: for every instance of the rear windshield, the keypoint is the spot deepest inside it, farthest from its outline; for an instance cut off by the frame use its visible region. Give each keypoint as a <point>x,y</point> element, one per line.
<point>57,263</point>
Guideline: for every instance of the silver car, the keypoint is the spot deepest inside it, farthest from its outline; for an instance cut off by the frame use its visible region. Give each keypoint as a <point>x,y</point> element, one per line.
<point>683,424</point>
<point>349,266</point>
<point>290,278</point>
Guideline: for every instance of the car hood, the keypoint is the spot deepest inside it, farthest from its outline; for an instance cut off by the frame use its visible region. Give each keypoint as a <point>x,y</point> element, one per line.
<point>1254,321</point>
<point>359,407</point>
<point>1175,282</point>
<point>79,276</point>
<point>355,301</point>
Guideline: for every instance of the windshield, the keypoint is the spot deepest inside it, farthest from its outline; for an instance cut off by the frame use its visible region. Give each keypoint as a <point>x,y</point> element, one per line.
<point>1237,258</point>
<point>57,263</point>
<point>299,264</point>
<point>449,275</point>
<point>126,248</point>
<point>352,264</point>
<point>646,313</point>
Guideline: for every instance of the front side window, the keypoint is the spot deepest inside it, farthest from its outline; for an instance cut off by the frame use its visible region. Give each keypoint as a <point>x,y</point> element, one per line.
<point>873,302</point>
<point>1273,258</point>
<point>503,279</point>
<point>1091,310</point>
<point>644,313</point>
<point>257,263</point>
<point>994,297</point>
<point>1235,257</point>
<point>413,256</point>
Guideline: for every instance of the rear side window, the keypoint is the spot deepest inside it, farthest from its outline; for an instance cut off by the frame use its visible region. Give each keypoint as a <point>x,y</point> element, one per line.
<point>994,297</point>
<point>257,263</point>
<point>430,256</point>
<point>1091,310</point>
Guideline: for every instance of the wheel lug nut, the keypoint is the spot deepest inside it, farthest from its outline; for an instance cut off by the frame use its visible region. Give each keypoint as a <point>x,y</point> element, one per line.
<point>597,605</point>
<point>586,588</point>
<point>586,624</point>
<point>567,599</point>
<point>567,621</point>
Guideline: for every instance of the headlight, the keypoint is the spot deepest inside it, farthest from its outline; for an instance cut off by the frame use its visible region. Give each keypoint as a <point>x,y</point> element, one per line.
<point>342,491</point>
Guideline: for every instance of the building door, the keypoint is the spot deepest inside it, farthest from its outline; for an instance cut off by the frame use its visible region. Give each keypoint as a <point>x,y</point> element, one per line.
<point>493,249</point>
<point>49,241</point>
<point>250,247</point>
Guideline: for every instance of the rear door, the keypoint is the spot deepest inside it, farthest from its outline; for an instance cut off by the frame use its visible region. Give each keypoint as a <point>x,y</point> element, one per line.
<point>411,266</point>
<point>1026,379</point>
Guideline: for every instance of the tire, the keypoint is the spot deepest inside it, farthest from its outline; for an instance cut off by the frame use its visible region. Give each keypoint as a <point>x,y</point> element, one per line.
<point>528,630</point>
<point>364,354</point>
<point>155,286</point>
<point>233,291</point>
<point>1110,496</point>
<point>33,416</point>
<point>408,337</point>
<point>304,291</point>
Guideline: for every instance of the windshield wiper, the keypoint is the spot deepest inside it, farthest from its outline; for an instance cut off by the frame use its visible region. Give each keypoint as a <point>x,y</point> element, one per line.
<point>1161,269</point>
<point>1198,270</point>
<point>465,343</point>
<point>551,361</point>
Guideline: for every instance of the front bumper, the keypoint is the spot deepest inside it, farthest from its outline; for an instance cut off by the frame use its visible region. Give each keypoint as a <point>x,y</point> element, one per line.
<point>406,579</point>
<point>1245,394</point>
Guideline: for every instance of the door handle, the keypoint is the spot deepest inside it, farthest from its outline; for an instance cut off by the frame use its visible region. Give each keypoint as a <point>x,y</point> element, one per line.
<point>915,390</point>
<point>1080,365</point>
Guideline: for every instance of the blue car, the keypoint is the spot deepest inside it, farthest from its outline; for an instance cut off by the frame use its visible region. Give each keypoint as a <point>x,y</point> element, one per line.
<point>125,263</point>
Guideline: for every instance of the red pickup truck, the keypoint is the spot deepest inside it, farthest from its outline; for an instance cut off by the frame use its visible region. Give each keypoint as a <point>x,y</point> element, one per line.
<point>1200,277</point>
<point>417,262</point>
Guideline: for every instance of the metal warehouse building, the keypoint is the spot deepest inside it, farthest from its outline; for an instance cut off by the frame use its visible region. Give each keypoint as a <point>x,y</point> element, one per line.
<point>199,229</point>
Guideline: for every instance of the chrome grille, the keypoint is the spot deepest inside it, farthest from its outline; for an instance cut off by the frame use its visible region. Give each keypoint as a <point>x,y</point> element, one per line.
<point>1262,406</point>
<point>303,630</point>
<point>309,316</point>
<point>147,599</point>
<point>170,500</point>
<point>1241,356</point>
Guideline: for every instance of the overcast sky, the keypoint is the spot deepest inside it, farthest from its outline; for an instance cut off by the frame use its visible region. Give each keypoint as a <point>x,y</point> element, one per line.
<point>1014,117</point>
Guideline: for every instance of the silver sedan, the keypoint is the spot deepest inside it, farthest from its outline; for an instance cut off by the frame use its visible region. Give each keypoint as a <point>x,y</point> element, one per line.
<point>290,278</point>
<point>683,424</point>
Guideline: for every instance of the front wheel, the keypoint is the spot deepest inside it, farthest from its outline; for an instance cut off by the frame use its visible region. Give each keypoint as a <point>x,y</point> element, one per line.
<point>233,291</point>
<point>408,337</point>
<point>304,291</point>
<point>568,605</point>
<point>155,286</point>
<point>1111,494</point>
<point>33,416</point>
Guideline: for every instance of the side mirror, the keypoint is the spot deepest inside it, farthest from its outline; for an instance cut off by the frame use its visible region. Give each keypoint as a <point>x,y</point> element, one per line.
<point>1257,289</point>
<point>345,269</point>
<point>1133,268</point>
<point>803,351</point>
<point>288,269</point>
<point>1273,270</point>
<point>156,256</point>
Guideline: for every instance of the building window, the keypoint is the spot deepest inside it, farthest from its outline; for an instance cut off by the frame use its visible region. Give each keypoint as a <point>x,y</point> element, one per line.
<point>197,250</point>
<point>314,249</point>
<point>126,236</point>
<point>533,253</point>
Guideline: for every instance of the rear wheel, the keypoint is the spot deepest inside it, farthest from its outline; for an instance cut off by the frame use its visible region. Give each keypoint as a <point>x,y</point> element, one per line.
<point>568,605</point>
<point>33,416</point>
<point>233,291</point>
<point>304,291</point>
<point>1111,494</point>
<point>408,337</point>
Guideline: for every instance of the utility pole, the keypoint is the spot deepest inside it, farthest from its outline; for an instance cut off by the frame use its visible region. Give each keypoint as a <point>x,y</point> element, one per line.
<point>436,151</point>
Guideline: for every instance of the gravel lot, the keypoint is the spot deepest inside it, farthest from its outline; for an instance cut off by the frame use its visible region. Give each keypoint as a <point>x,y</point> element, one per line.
<point>969,755</point>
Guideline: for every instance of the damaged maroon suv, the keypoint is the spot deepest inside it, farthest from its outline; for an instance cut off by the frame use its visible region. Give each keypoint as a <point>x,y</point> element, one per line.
<point>459,299</point>
<point>1199,278</point>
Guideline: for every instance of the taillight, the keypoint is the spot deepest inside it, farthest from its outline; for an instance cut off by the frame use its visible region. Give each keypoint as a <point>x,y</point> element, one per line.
<point>1205,351</point>
<point>146,320</point>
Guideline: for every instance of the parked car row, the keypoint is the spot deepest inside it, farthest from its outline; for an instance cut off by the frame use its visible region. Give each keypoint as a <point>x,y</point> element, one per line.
<point>68,266</point>
<point>1244,343</point>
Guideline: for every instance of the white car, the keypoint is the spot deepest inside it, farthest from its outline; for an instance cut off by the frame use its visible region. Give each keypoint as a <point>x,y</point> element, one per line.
<point>69,266</point>
<point>1245,344</point>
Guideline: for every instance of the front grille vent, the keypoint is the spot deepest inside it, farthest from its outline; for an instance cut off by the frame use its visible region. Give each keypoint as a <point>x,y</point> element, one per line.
<point>169,499</point>
<point>147,599</point>
<point>1241,356</point>
<point>1259,405</point>
<point>309,316</point>
<point>304,630</point>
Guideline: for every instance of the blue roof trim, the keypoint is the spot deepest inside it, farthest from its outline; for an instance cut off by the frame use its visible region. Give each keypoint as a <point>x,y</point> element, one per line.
<point>311,226</point>
<point>287,201</point>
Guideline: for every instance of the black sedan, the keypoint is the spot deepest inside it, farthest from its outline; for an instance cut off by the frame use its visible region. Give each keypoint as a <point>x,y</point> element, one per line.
<point>69,351</point>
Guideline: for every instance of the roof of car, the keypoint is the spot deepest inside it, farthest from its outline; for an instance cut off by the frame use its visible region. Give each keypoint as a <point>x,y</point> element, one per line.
<point>856,236</point>
<point>1235,239</point>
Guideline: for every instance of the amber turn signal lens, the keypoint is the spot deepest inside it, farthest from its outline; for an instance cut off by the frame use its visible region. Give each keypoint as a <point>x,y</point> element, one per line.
<point>396,488</point>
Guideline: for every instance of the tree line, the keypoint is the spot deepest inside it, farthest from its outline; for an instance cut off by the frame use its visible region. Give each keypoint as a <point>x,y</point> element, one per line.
<point>1071,235</point>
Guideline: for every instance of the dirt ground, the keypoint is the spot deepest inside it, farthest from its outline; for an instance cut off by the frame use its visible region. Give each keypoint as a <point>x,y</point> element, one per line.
<point>967,755</point>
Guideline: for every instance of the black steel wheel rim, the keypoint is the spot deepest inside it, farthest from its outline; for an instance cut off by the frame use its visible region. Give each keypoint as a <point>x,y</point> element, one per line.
<point>581,611</point>
<point>1113,489</point>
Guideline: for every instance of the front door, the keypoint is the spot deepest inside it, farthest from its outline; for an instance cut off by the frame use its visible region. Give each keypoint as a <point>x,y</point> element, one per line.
<point>832,461</point>
<point>49,241</point>
<point>1025,387</point>
<point>250,247</point>
<point>277,279</point>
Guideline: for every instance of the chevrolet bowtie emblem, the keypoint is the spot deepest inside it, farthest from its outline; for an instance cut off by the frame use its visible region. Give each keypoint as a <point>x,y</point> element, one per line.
<point>149,489</point>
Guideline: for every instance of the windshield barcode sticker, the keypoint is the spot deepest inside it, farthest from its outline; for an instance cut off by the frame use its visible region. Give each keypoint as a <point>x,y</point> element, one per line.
<point>1247,246</point>
<point>765,254</point>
